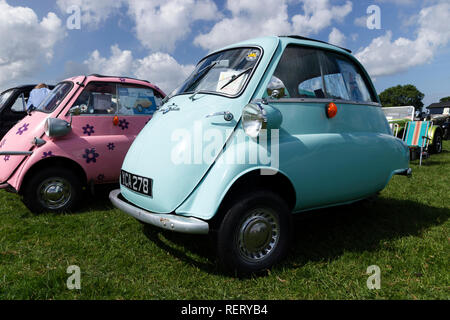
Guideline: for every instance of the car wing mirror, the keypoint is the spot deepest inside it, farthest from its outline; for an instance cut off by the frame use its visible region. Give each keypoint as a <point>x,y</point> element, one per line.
<point>75,111</point>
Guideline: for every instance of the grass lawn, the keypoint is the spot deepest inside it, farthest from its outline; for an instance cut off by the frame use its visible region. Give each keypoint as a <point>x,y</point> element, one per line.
<point>405,232</point>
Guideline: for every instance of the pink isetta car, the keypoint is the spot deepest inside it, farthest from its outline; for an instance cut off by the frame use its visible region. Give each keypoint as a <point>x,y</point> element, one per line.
<point>76,138</point>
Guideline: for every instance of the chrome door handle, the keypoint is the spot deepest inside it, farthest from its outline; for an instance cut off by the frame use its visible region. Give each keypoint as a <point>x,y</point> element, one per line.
<point>227,116</point>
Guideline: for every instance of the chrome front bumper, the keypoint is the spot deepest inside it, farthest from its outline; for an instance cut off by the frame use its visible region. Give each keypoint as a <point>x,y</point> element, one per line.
<point>170,222</point>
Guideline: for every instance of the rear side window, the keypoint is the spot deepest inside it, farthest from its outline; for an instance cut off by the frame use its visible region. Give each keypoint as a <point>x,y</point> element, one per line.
<point>298,74</point>
<point>20,104</point>
<point>304,72</point>
<point>135,100</point>
<point>343,80</point>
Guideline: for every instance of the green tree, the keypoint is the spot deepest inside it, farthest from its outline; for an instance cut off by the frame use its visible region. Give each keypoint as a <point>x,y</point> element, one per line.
<point>445,99</point>
<point>407,95</point>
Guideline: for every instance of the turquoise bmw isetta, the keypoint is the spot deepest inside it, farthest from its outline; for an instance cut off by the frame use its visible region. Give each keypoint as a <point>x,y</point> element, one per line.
<point>261,130</point>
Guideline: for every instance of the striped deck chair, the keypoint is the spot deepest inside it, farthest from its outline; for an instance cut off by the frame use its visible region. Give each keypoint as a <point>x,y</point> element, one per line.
<point>416,136</point>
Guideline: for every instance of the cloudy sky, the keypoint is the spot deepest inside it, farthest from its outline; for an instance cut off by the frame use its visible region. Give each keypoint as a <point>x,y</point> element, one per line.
<point>162,40</point>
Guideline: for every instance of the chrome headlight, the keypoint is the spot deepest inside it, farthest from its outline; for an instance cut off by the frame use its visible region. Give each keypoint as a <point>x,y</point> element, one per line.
<point>56,127</point>
<point>253,119</point>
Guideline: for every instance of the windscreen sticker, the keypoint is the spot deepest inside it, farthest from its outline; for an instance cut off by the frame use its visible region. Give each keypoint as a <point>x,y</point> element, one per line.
<point>252,55</point>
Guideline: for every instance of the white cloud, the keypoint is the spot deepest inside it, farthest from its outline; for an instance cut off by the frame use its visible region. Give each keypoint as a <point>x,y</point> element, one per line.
<point>385,56</point>
<point>251,19</point>
<point>163,70</point>
<point>159,68</point>
<point>93,13</point>
<point>319,14</point>
<point>398,2</point>
<point>119,63</point>
<point>161,23</point>
<point>361,21</point>
<point>336,37</point>
<point>26,42</point>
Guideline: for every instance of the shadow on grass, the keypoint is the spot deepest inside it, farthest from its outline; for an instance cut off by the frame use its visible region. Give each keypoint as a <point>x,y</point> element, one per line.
<point>202,246</point>
<point>321,235</point>
<point>325,235</point>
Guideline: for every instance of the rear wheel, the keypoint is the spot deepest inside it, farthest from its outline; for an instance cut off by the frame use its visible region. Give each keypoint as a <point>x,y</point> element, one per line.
<point>254,233</point>
<point>437,143</point>
<point>52,190</point>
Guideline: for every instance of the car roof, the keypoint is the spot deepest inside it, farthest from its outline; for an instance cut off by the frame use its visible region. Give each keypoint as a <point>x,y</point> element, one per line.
<point>444,104</point>
<point>105,78</point>
<point>262,41</point>
<point>315,40</point>
<point>26,87</point>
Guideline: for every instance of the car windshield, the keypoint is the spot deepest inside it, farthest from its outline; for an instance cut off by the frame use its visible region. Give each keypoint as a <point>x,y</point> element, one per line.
<point>225,72</point>
<point>4,97</point>
<point>54,98</point>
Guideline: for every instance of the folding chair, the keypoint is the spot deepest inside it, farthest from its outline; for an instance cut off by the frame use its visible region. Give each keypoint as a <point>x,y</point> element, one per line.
<point>416,136</point>
<point>394,128</point>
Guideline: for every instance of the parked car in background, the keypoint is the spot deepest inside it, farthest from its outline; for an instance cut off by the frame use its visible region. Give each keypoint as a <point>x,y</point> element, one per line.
<point>76,137</point>
<point>13,104</point>
<point>398,117</point>
<point>261,130</point>
<point>439,113</point>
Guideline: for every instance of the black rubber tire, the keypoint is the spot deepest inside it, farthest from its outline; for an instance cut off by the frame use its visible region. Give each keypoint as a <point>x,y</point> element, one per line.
<point>30,192</point>
<point>437,143</point>
<point>227,239</point>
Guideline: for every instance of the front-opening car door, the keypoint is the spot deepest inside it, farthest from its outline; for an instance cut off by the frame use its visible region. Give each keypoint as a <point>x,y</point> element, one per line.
<point>112,114</point>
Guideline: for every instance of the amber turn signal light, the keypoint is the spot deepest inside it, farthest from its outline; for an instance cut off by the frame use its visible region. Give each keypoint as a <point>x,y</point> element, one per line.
<point>331,110</point>
<point>116,120</point>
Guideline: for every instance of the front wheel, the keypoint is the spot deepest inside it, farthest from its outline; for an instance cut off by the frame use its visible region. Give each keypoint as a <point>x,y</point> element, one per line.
<point>254,234</point>
<point>437,143</point>
<point>52,190</point>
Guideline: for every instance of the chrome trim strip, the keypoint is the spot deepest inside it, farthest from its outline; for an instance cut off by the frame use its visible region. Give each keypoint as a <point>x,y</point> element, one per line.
<point>320,100</point>
<point>16,153</point>
<point>170,222</point>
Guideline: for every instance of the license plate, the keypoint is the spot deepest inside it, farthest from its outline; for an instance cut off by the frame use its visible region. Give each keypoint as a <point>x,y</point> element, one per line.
<point>136,183</point>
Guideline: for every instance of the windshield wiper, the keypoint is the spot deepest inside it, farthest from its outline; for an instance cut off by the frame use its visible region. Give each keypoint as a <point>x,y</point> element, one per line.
<point>201,74</point>
<point>234,77</point>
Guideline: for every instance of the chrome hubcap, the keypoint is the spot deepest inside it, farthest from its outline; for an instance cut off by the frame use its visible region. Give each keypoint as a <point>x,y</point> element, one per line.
<point>258,234</point>
<point>439,144</point>
<point>54,193</point>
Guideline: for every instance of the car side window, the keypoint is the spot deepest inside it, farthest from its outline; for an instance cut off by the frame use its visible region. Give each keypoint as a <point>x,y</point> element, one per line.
<point>137,100</point>
<point>343,80</point>
<point>98,98</point>
<point>5,96</point>
<point>19,105</point>
<point>299,72</point>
